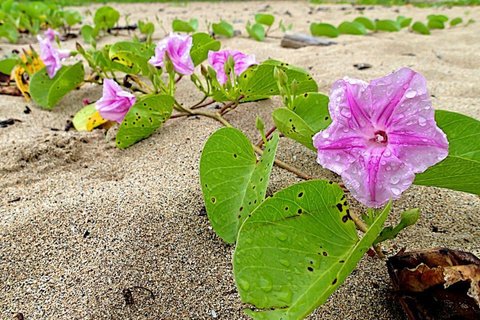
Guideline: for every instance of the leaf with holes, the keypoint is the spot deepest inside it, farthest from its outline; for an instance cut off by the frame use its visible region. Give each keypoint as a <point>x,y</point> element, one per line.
<point>308,116</point>
<point>133,55</point>
<point>297,248</point>
<point>88,118</point>
<point>143,118</point>
<point>233,182</point>
<point>48,92</point>
<point>461,169</point>
<point>323,29</point>
<point>201,44</point>
<point>258,82</point>
<point>223,28</point>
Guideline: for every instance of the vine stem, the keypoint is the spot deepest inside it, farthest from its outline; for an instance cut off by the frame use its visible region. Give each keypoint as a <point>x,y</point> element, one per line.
<point>267,135</point>
<point>364,228</point>
<point>284,165</point>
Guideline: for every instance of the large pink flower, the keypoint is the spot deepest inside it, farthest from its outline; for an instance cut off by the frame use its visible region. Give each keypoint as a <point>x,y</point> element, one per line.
<point>177,47</point>
<point>217,60</point>
<point>115,102</point>
<point>382,134</point>
<point>51,56</point>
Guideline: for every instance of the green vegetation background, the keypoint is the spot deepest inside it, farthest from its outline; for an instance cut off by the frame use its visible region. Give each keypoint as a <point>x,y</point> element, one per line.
<point>363,2</point>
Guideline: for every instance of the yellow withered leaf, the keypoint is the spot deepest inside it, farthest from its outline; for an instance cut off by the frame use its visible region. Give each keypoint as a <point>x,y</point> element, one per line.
<point>22,73</point>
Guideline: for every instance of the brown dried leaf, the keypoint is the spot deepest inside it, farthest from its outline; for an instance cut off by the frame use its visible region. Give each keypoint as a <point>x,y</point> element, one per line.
<point>437,284</point>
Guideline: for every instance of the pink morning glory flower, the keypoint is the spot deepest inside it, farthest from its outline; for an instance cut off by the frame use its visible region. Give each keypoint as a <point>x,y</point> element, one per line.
<point>382,134</point>
<point>50,34</point>
<point>177,47</point>
<point>51,56</point>
<point>217,60</point>
<point>115,102</point>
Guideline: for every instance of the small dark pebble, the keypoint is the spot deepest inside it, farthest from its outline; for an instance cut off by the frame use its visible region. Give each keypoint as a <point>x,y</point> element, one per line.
<point>202,212</point>
<point>27,110</point>
<point>8,122</point>
<point>287,13</point>
<point>362,66</point>
<point>435,229</point>
<point>128,296</point>
<point>68,125</point>
<point>18,316</point>
<point>54,129</point>
<point>86,234</point>
<point>14,200</point>
<point>409,54</point>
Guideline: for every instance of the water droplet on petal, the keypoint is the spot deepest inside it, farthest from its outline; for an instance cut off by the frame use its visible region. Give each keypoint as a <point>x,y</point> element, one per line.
<point>387,153</point>
<point>422,121</point>
<point>345,129</point>
<point>396,191</point>
<point>325,134</point>
<point>394,180</point>
<point>410,94</point>
<point>346,113</point>
<point>388,168</point>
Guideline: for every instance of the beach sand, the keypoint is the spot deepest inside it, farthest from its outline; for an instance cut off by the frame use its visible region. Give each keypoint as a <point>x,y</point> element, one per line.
<point>84,227</point>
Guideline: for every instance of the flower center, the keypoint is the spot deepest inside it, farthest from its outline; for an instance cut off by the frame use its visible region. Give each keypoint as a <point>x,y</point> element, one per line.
<point>380,137</point>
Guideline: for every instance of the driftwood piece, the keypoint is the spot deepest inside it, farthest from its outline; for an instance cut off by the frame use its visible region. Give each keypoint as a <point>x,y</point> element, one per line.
<point>300,40</point>
<point>437,284</point>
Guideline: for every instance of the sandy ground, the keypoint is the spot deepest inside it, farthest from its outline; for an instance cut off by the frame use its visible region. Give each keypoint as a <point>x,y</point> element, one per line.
<point>81,221</point>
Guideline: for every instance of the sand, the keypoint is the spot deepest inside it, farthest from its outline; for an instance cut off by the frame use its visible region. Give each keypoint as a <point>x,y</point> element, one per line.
<point>86,228</point>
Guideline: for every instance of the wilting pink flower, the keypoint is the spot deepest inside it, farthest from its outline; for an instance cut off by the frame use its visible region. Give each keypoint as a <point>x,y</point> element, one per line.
<point>115,102</point>
<point>177,47</point>
<point>382,134</point>
<point>217,60</point>
<point>50,34</point>
<point>51,56</point>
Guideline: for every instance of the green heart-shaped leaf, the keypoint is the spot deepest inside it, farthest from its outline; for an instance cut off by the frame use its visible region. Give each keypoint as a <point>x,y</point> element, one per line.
<point>265,19</point>
<point>297,248</point>
<point>223,28</point>
<point>420,27</point>
<point>133,55</point>
<point>48,92</point>
<point>233,182</point>
<point>369,24</point>
<point>388,25</point>
<point>143,119</point>
<point>461,169</point>
<point>323,30</point>
<point>308,116</point>
<point>258,82</point>
<point>354,28</point>
<point>201,44</point>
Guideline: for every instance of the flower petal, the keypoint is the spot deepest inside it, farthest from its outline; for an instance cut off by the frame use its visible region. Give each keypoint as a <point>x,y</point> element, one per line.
<point>388,92</point>
<point>374,179</point>
<point>348,99</point>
